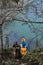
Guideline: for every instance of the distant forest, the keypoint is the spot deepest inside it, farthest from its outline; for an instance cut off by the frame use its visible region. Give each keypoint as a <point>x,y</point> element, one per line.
<point>8,3</point>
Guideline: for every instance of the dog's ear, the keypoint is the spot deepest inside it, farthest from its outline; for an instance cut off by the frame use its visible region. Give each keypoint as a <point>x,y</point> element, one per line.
<point>13,45</point>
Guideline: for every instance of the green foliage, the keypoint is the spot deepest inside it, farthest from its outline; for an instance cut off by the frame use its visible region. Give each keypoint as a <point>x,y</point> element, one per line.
<point>8,53</point>
<point>28,59</point>
<point>9,62</point>
<point>31,57</point>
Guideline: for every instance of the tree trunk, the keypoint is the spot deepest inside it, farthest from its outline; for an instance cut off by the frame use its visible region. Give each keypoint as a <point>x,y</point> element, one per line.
<point>1,38</point>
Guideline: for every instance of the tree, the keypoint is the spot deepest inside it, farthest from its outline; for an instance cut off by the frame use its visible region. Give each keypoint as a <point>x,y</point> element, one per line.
<point>4,3</point>
<point>16,1</point>
<point>7,41</point>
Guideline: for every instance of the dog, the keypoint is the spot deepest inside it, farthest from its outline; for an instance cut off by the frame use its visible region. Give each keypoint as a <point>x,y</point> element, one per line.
<point>17,50</point>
